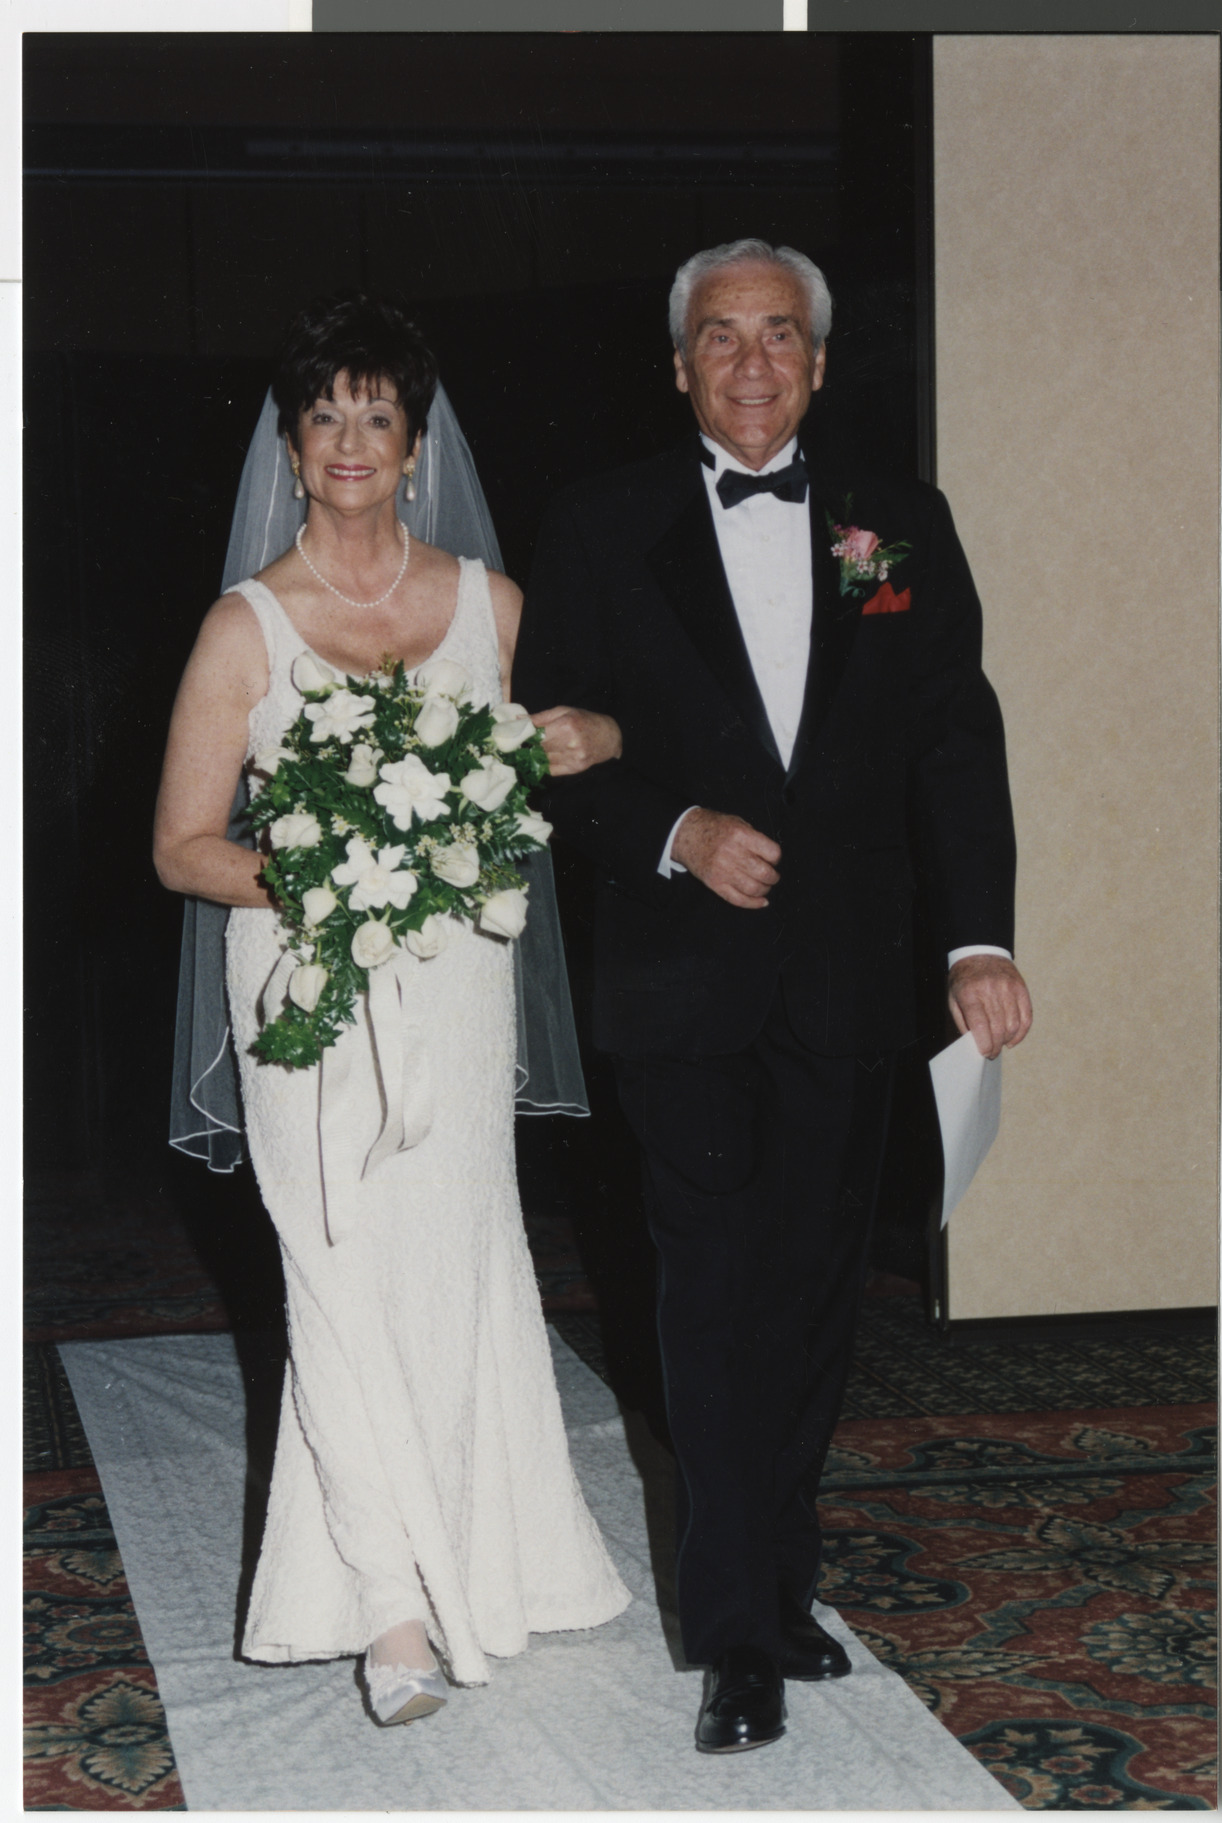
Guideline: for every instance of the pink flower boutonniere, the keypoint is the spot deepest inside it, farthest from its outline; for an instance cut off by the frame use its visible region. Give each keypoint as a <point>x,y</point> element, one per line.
<point>862,555</point>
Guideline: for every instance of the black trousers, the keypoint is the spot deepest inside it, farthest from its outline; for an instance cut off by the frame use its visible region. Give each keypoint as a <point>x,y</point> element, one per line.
<point>760,1170</point>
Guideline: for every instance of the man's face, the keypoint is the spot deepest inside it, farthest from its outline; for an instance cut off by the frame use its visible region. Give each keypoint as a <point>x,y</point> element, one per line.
<point>750,368</point>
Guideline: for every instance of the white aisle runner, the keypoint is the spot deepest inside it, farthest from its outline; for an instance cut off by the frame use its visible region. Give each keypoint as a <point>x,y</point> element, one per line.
<point>583,1721</point>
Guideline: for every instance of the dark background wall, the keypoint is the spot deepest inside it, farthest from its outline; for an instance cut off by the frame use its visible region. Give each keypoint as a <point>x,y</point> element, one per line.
<point>532,196</point>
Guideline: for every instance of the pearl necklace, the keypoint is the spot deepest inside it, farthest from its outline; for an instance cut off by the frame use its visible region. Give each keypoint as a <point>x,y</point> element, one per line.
<point>407,545</point>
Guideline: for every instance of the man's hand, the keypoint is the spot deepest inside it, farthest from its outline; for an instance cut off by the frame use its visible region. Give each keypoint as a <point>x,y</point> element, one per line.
<point>733,860</point>
<point>988,998</point>
<point>575,739</point>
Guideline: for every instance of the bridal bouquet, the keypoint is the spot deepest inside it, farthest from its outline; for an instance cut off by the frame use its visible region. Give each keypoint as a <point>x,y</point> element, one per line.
<point>395,808</point>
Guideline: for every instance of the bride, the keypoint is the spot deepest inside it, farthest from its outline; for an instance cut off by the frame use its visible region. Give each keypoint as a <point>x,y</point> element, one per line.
<point>422,1507</point>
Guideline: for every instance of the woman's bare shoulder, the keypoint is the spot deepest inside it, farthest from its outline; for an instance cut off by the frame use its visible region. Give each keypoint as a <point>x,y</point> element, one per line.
<point>230,635</point>
<point>506,599</point>
<point>431,558</point>
<point>231,610</point>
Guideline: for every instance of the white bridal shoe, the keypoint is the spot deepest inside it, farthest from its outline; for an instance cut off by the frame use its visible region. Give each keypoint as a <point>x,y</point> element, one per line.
<point>399,1695</point>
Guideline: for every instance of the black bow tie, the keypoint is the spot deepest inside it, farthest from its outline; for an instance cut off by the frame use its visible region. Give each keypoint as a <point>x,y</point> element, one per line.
<point>787,483</point>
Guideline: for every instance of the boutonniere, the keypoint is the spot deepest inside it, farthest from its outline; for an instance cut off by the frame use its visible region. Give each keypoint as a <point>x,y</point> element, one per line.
<point>862,555</point>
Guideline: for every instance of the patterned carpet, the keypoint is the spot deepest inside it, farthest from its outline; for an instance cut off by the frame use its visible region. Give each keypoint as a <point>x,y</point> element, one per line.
<point>95,1733</point>
<point>1040,1570</point>
<point>1046,1584</point>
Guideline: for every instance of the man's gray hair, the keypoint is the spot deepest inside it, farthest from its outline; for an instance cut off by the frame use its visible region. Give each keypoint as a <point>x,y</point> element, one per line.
<point>738,253</point>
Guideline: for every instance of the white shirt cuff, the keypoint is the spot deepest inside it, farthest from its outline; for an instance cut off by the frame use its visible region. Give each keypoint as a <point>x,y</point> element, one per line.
<point>667,867</point>
<point>976,949</point>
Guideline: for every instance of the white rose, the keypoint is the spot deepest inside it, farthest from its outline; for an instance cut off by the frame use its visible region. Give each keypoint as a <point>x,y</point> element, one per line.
<point>532,827</point>
<point>490,784</point>
<point>268,759</point>
<point>504,913</point>
<point>442,677</point>
<point>436,722</point>
<point>318,902</point>
<point>457,865</point>
<point>513,727</point>
<point>306,984</point>
<point>409,788</point>
<point>311,675</point>
<point>432,937</point>
<point>296,830</point>
<point>340,717</point>
<point>363,766</point>
<point>372,944</point>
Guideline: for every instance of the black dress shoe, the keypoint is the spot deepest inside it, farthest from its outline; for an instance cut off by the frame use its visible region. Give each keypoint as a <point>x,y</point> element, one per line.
<point>807,1651</point>
<point>744,1702</point>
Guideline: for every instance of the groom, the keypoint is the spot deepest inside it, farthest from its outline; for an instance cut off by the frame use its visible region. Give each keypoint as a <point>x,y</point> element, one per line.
<point>793,655</point>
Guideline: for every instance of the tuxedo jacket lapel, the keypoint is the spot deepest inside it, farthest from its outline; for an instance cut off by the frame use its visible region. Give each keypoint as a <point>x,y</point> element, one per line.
<point>834,619</point>
<point>687,564</point>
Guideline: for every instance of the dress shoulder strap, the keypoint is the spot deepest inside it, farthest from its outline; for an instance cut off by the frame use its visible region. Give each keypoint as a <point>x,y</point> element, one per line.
<point>280,636</point>
<point>474,596</point>
<point>474,621</point>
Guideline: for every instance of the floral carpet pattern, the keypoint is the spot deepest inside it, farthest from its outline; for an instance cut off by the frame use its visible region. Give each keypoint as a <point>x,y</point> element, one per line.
<point>95,1734</point>
<point>1042,1576</point>
<point>1045,1583</point>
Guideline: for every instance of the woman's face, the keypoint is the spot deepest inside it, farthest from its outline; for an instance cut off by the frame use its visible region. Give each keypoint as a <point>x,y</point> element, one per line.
<point>352,450</point>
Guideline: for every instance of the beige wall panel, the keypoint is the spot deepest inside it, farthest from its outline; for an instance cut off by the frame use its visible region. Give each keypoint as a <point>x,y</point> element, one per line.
<point>1076,206</point>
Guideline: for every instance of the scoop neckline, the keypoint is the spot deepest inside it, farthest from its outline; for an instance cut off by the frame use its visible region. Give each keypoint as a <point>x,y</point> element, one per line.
<point>463,563</point>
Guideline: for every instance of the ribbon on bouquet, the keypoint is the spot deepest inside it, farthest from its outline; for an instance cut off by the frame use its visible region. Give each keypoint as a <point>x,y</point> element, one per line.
<point>405,1082</point>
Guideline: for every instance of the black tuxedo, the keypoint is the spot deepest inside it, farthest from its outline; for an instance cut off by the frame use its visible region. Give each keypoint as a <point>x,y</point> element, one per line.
<point>753,1047</point>
<point>628,611</point>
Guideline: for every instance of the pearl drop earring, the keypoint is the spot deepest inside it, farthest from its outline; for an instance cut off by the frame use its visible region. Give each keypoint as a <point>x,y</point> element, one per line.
<point>409,469</point>
<point>298,483</point>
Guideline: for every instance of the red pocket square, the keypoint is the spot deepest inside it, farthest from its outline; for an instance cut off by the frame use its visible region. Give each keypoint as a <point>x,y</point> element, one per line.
<point>888,602</point>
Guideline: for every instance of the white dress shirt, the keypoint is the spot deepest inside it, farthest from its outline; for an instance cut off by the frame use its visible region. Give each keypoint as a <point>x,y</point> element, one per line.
<point>765,552</point>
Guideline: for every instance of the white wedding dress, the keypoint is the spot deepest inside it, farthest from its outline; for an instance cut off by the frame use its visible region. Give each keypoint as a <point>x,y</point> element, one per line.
<point>421,1469</point>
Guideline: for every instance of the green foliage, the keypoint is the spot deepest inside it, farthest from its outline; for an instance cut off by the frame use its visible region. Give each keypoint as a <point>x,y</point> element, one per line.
<point>309,779</point>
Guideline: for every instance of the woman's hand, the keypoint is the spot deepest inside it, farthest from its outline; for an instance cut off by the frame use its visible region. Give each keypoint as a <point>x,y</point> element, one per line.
<point>575,739</point>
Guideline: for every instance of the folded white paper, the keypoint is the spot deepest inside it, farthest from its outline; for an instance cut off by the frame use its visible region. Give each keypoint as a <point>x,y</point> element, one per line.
<point>967,1089</point>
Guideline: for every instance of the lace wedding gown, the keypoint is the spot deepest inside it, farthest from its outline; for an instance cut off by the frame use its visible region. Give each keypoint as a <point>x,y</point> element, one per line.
<point>421,1465</point>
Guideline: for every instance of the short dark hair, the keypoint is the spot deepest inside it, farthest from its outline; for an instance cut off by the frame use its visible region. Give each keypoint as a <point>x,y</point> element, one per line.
<point>372,340</point>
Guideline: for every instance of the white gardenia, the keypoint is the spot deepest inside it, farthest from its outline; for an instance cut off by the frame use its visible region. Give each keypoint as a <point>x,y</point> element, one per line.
<point>443,677</point>
<point>504,913</point>
<point>340,717</point>
<point>513,726</point>
<point>533,828</point>
<point>318,902</point>
<point>310,674</point>
<point>296,830</point>
<point>457,865</point>
<point>408,788</point>
<point>306,985</point>
<point>376,880</point>
<point>363,766</point>
<point>436,722</point>
<point>490,784</point>
<point>372,944</point>
<point>432,937</point>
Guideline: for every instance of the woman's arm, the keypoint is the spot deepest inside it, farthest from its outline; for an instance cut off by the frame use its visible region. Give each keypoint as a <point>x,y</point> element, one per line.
<point>574,739</point>
<point>226,675</point>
